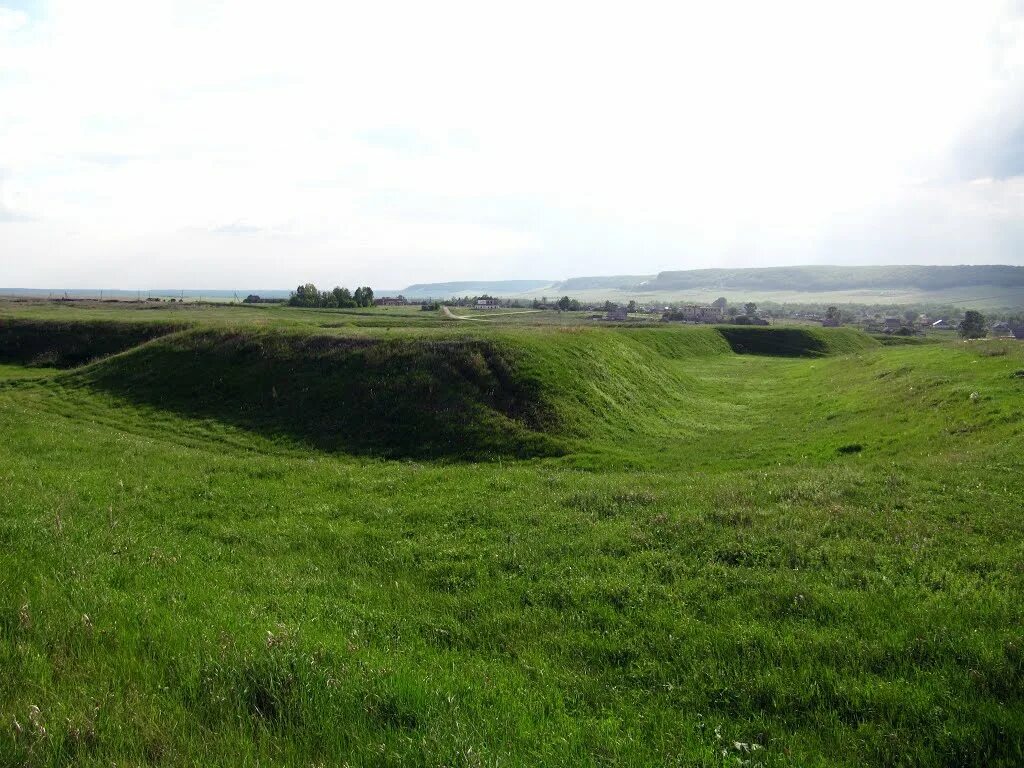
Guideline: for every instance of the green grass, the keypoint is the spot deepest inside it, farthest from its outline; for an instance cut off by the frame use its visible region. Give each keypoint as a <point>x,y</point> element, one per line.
<point>703,561</point>
<point>10,371</point>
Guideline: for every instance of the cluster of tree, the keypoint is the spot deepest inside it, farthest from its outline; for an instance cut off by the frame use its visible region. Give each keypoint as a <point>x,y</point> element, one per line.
<point>470,301</point>
<point>252,298</point>
<point>973,326</point>
<point>748,320</point>
<point>339,298</point>
<point>746,316</point>
<point>565,304</point>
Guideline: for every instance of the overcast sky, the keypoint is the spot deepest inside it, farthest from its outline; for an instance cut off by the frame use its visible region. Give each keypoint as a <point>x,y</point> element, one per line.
<point>237,143</point>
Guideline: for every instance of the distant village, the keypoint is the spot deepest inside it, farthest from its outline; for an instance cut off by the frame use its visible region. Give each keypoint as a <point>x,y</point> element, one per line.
<point>906,322</point>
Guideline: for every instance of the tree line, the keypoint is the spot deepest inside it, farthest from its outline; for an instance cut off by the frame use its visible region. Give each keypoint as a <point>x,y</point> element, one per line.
<point>337,298</point>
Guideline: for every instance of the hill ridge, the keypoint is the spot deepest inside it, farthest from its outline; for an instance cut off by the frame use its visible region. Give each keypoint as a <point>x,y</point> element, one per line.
<point>801,278</point>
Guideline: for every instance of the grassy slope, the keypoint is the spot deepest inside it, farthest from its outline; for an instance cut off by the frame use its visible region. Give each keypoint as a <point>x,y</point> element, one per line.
<point>705,567</point>
<point>394,397</point>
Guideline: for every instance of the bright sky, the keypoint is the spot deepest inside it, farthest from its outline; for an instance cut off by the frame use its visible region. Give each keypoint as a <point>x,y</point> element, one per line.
<point>239,143</point>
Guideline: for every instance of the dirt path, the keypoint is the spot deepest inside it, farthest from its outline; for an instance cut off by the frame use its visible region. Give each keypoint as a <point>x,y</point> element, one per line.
<point>447,313</point>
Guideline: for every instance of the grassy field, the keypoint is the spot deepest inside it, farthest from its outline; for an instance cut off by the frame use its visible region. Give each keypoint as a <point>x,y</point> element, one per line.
<point>269,536</point>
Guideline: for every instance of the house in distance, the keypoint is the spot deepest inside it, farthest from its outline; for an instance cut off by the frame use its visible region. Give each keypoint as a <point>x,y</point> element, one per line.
<point>696,313</point>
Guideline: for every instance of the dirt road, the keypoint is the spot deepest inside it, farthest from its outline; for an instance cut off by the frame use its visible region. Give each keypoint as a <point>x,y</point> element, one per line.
<point>447,313</point>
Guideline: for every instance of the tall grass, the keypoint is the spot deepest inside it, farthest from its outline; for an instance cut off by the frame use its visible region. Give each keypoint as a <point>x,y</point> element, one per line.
<point>702,578</point>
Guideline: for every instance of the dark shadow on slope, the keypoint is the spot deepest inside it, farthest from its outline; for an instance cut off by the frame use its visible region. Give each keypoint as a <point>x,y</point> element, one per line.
<point>56,344</point>
<point>795,342</point>
<point>393,398</point>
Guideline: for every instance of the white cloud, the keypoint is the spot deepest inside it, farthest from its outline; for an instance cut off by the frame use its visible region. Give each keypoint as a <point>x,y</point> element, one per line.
<point>398,141</point>
<point>12,20</point>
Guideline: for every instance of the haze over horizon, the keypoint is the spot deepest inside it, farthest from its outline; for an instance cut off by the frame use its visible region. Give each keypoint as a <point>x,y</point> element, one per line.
<point>179,142</point>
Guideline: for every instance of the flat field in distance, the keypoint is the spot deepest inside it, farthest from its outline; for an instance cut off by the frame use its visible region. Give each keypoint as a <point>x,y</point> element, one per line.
<point>262,535</point>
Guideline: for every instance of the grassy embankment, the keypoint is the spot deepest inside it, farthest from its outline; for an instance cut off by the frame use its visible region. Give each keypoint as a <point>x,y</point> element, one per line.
<point>698,551</point>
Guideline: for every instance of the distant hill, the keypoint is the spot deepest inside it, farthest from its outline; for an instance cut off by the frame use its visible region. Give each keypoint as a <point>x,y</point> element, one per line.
<point>888,284</point>
<point>622,282</point>
<point>828,278</point>
<point>810,279</point>
<point>984,286</point>
<point>499,287</point>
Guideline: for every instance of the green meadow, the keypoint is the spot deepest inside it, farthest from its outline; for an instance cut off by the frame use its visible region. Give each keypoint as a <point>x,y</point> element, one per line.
<point>274,536</point>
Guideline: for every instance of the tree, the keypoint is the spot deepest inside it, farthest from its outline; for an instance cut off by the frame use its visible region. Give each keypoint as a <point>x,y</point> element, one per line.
<point>339,297</point>
<point>720,302</point>
<point>363,296</point>
<point>973,326</point>
<point>564,303</point>
<point>305,296</point>
<point>910,316</point>
<point>631,307</point>
<point>750,309</point>
<point>832,313</point>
